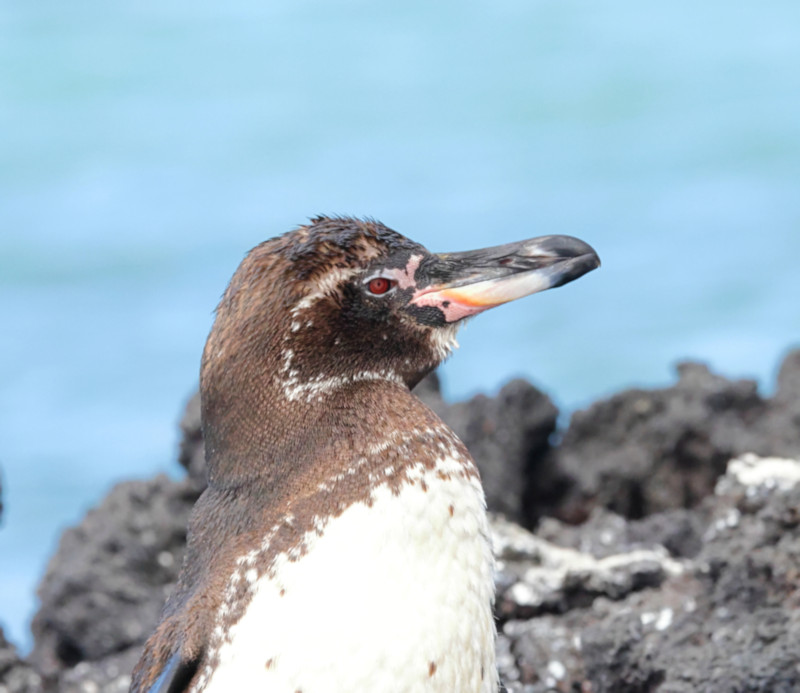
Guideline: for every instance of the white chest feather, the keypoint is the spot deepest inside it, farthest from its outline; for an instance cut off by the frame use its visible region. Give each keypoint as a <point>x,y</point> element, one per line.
<point>393,598</point>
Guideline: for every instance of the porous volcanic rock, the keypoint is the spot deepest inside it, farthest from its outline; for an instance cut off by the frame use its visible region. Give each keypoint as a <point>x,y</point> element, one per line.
<point>727,619</point>
<point>779,431</point>
<point>104,588</point>
<point>643,451</point>
<point>192,453</point>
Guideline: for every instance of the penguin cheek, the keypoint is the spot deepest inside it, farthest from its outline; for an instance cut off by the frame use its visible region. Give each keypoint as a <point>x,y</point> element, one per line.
<point>429,316</point>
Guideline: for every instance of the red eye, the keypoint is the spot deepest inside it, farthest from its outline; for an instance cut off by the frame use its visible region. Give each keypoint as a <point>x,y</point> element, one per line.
<point>379,285</point>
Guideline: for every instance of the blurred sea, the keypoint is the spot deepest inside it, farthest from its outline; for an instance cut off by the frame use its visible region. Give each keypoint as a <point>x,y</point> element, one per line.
<point>144,147</point>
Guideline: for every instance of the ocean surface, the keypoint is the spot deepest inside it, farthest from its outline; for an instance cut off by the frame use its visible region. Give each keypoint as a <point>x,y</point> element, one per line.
<point>145,146</point>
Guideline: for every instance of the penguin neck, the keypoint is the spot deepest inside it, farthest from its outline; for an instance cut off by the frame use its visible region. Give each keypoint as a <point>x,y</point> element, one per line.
<point>265,428</point>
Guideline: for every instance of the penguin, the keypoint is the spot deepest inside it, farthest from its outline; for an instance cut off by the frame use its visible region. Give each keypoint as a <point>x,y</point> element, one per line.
<point>342,543</point>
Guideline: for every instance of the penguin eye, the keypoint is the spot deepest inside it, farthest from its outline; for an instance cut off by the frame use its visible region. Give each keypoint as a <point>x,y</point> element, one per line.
<point>380,285</point>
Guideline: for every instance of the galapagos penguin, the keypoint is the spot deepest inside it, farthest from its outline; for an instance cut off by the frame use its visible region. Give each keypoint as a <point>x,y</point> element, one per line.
<point>342,543</point>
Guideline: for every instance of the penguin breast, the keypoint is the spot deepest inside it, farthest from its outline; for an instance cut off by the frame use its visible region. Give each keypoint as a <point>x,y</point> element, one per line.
<point>394,594</point>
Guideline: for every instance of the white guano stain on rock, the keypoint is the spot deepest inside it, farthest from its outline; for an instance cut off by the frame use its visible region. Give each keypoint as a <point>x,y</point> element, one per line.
<point>771,472</point>
<point>660,620</point>
<point>557,670</point>
<point>555,566</point>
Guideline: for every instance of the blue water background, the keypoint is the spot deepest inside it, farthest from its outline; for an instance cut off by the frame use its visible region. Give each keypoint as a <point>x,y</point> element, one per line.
<point>144,147</point>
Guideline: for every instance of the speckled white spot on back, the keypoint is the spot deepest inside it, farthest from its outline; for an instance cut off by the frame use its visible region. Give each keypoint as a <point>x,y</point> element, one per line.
<point>391,598</point>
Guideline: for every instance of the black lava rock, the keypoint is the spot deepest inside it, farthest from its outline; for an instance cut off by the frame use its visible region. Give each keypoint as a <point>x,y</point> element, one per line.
<point>104,588</point>
<point>192,454</point>
<point>645,451</point>
<point>725,619</point>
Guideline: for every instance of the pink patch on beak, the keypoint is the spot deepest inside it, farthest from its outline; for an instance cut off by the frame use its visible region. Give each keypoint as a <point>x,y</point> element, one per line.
<point>442,299</point>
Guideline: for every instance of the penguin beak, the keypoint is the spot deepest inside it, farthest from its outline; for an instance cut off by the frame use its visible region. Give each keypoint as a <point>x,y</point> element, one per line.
<point>464,284</point>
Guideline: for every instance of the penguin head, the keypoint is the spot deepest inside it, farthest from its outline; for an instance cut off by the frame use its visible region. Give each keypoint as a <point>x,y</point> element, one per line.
<point>345,298</point>
<point>342,301</point>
